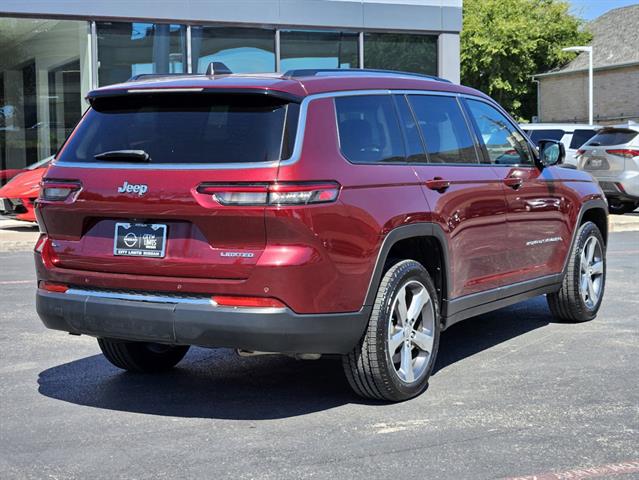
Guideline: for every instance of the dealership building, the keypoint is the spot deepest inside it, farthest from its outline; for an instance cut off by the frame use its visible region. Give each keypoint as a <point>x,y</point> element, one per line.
<point>53,52</point>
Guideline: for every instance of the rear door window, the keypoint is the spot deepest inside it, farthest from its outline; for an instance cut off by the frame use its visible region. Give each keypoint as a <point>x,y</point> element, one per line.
<point>554,134</point>
<point>612,137</point>
<point>580,137</point>
<point>369,129</point>
<point>504,144</point>
<point>184,128</point>
<point>444,129</point>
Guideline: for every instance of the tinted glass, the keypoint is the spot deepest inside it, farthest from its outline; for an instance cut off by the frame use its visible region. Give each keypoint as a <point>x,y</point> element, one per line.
<point>504,144</point>
<point>580,137</point>
<point>127,49</point>
<point>414,145</point>
<point>182,128</point>
<point>369,129</point>
<point>444,129</point>
<point>243,50</point>
<point>44,76</point>
<point>399,51</point>
<point>612,137</point>
<point>311,49</point>
<point>536,135</point>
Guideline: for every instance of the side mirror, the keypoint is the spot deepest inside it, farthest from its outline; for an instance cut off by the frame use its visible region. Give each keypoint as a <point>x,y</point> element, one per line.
<point>551,152</point>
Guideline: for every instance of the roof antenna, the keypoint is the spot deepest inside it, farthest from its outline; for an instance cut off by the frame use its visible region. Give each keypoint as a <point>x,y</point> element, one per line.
<point>217,68</point>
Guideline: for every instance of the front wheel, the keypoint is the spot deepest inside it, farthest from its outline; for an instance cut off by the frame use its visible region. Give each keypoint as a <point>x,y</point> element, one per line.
<point>142,357</point>
<point>396,356</point>
<point>582,289</point>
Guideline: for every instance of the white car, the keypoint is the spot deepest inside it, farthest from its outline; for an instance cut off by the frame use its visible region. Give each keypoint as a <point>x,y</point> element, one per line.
<point>612,157</point>
<point>572,135</point>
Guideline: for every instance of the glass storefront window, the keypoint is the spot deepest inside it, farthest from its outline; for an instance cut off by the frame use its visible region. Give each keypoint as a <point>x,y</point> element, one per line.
<point>128,49</point>
<point>314,49</point>
<point>398,51</point>
<point>243,50</point>
<point>44,76</point>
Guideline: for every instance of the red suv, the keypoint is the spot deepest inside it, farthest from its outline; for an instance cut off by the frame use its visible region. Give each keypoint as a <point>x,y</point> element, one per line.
<point>356,213</point>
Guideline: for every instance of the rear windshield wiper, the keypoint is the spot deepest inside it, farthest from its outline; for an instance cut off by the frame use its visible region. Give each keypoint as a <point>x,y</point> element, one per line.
<point>124,155</point>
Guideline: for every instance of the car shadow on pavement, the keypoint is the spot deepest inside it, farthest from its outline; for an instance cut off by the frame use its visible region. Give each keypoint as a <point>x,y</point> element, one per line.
<point>216,383</point>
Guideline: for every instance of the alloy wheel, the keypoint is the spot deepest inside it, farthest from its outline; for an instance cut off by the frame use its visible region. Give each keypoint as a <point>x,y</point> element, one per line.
<point>592,272</point>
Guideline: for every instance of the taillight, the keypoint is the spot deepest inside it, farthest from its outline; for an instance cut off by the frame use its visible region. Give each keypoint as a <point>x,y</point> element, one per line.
<point>39,246</point>
<point>45,249</point>
<point>59,190</point>
<point>624,152</point>
<point>247,302</point>
<point>580,152</point>
<point>275,194</point>
<point>53,287</point>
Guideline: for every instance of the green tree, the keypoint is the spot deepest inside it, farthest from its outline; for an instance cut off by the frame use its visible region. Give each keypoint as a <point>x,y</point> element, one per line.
<point>505,42</point>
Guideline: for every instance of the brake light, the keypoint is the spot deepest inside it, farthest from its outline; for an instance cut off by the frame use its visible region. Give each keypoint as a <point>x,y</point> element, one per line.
<point>59,190</point>
<point>580,152</point>
<point>624,152</point>
<point>53,287</point>
<point>39,246</point>
<point>275,194</point>
<point>247,302</point>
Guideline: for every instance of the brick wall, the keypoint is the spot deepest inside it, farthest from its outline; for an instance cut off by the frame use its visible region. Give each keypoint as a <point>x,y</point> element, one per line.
<point>564,98</point>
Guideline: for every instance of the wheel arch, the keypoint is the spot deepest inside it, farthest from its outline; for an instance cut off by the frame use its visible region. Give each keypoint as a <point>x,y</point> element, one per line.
<point>598,216</point>
<point>425,243</point>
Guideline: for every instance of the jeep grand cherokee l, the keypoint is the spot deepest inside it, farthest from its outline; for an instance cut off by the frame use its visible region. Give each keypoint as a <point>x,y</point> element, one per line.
<point>356,213</point>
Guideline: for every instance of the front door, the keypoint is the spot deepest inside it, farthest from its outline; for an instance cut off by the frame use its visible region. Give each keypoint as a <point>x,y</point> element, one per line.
<point>538,202</point>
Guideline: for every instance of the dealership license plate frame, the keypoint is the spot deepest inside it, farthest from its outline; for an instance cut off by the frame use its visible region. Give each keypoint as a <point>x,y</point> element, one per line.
<point>141,243</point>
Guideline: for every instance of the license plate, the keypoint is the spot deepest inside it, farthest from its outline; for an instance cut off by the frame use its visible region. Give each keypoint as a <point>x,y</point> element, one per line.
<point>597,163</point>
<point>140,240</point>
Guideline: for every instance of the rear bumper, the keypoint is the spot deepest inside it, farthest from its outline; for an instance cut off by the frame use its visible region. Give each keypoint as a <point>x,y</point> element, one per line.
<point>190,323</point>
<point>624,186</point>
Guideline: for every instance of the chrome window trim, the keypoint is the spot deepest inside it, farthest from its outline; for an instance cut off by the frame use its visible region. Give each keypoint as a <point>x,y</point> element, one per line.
<point>299,137</point>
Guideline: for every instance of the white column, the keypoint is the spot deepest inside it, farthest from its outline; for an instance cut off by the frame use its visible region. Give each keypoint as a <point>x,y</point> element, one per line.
<point>448,55</point>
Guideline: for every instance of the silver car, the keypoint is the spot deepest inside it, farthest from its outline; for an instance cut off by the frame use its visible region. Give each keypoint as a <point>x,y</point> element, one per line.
<point>572,135</point>
<point>612,157</point>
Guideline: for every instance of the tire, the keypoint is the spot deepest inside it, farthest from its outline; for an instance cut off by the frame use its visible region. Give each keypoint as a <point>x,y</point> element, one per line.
<point>142,357</point>
<point>372,370</point>
<point>574,303</point>
<point>619,208</point>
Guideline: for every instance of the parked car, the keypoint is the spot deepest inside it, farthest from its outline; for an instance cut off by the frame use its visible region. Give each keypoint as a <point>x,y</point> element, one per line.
<point>311,213</point>
<point>572,135</point>
<point>612,157</point>
<point>18,196</point>
<point>8,174</point>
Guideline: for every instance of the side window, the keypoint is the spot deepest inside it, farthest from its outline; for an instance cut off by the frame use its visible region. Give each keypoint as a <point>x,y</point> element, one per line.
<point>444,129</point>
<point>503,142</point>
<point>369,129</point>
<point>414,145</point>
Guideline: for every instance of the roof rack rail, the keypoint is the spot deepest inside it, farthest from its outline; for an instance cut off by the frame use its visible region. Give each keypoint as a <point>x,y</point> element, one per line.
<point>312,72</point>
<point>214,68</point>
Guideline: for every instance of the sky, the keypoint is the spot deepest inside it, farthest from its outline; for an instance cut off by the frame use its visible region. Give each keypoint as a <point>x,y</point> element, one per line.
<point>589,9</point>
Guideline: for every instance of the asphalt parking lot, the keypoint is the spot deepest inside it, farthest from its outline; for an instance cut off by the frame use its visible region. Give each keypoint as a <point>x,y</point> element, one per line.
<point>514,394</point>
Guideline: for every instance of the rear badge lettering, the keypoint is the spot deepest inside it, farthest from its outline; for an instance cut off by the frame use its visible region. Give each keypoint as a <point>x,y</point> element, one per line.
<point>237,254</point>
<point>139,188</point>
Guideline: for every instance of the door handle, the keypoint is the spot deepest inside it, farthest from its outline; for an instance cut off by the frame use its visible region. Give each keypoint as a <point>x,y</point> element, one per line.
<point>438,184</point>
<point>513,182</point>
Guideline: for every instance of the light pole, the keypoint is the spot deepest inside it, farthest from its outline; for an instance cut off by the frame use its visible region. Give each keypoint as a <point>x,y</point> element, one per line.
<point>590,75</point>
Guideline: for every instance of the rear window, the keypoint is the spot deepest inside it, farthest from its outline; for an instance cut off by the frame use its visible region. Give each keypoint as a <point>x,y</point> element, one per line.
<point>580,137</point>
<point>612,137</point>
<point>186,128</point>
<point>555,134</point>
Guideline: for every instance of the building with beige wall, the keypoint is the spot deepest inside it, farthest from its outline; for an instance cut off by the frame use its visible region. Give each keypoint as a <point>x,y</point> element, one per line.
<point>563,94</point>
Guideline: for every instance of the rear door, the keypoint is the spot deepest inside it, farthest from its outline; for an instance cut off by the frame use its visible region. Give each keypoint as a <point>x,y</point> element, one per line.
<point>167,210</point>
<point>465,198</point>
<point>539,230</point>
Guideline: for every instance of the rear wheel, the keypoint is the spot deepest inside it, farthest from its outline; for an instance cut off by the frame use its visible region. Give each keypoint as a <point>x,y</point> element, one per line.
<point>583,286</point>
<point>395,358</point>
<point>619,208</point>
<point>142,357</point>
